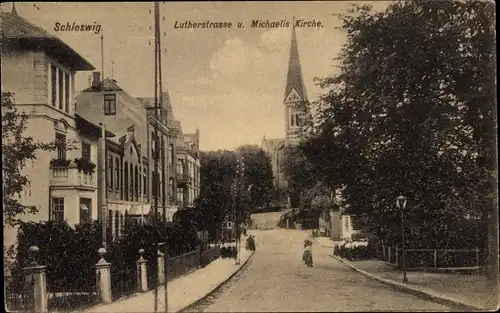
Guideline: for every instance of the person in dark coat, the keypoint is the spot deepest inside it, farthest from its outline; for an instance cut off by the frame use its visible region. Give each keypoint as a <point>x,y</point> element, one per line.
<point>251,243</point>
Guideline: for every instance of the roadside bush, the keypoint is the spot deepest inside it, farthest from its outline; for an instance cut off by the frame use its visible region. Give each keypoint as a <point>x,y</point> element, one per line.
<point>355,253</point>
<point>72,253</point>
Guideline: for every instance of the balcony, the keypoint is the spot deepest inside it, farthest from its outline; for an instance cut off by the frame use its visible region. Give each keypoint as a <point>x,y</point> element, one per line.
<point>70,176</point>
<point>172,201</point>
<point>183,179</point>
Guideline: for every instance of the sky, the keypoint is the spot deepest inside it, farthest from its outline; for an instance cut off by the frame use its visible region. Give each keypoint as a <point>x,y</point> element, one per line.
<point>227,82</point>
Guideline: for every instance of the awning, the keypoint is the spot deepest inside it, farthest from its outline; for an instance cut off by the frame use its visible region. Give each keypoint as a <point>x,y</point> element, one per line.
<point>140,209</point>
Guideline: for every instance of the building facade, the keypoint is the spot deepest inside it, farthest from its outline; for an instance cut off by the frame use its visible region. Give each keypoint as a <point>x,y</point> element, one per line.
<point>131,179</point>
<point>188,168</point>
<point>39,69</point>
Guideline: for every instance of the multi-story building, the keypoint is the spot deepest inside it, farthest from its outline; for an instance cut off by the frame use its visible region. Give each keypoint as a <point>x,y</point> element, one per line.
<point>188,167</point>
<point>131,178</point>
<point>39,69</point>
<point>169,133</point>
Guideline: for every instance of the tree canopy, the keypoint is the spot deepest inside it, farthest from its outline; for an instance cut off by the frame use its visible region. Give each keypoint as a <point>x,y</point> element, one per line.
<point>411,112</point>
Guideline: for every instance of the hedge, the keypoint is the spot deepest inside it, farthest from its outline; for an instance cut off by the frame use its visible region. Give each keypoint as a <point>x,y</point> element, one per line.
<point>70,254</point>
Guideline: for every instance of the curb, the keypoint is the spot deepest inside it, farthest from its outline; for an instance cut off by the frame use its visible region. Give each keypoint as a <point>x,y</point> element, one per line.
<point>414,291</point>
<point>196,302</point>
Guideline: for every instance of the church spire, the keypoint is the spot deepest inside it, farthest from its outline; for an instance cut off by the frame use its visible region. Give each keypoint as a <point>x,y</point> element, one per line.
<point>294,77</point>
<point>14,11</point>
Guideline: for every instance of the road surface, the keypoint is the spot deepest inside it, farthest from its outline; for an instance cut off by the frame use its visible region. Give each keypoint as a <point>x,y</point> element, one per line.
<point>276,280</point>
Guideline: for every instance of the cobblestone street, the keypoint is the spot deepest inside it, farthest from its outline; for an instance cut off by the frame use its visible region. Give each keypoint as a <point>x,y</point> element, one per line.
<point>277,280</point>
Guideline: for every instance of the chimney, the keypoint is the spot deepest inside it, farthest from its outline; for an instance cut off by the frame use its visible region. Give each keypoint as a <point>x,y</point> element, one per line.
<point>96,82</point>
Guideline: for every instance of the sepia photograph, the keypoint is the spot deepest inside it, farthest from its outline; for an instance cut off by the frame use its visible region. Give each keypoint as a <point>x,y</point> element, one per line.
<point>250,156</point>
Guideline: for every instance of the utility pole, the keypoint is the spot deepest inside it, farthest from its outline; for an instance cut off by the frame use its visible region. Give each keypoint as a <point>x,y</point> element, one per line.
<point>166,186</point>
<point>156,182</point>
<point>103,155</point>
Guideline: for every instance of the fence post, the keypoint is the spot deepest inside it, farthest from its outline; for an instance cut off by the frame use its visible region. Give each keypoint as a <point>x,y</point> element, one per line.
<point>383,252</point>
<point>36,282</point>
<point>477,260</point>
<point>104,274</point>
<point>435,258</point>
<point>142,274</point>
<point>397,263</point>
<point>161,268</point>
<point>389,254</point>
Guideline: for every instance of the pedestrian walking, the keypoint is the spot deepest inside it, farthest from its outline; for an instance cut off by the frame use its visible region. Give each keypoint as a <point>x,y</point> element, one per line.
<point>307,255</point>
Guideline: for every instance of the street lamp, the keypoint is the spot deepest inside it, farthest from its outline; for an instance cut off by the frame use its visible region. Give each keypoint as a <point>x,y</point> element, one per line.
<point>401,205</point>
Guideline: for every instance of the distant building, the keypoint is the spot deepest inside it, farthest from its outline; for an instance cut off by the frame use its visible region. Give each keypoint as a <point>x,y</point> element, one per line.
<point>39,69</point>
<point>188,168</point>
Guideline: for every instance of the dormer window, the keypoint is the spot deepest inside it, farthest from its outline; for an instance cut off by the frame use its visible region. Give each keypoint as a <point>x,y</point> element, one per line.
<point>110,104</point>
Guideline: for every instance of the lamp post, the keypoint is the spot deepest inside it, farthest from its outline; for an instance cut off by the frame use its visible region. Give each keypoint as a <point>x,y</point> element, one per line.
<point>401,205</point>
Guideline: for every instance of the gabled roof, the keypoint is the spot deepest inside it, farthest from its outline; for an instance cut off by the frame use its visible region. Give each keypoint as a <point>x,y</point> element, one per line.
<point>149,102</point>
<point>294,76</point>
<point>31,36</point>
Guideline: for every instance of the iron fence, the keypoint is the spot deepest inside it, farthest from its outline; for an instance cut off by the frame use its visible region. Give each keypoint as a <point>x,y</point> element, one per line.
<point>59,300</point>
<point>19,296</point>
<point>209,255</point>
<point>432,259</point>
<point>182,264</point>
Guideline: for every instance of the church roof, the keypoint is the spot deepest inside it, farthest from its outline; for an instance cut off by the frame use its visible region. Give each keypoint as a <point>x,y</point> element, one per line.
<point>294,76</point>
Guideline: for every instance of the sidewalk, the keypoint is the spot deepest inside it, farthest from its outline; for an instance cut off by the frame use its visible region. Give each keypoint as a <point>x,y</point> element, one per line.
<point>182,291</point>
<point>463,290</point>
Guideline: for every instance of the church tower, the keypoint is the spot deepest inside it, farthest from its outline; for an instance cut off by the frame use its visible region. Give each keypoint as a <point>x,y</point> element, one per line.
<point>295,93</point>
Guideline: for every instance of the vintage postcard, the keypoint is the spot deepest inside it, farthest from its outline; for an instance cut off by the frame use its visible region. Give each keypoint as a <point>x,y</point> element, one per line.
<point>249,156</point>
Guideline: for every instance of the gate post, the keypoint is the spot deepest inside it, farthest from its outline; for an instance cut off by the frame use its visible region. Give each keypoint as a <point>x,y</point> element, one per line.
<point>142,274</point>
<point>36,283</point>
<point>161,268</point>
<point>104,277</point>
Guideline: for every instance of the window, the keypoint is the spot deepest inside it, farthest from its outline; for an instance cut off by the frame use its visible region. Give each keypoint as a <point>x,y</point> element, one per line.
<point>111,172</point>
<point>117,169</point>
<point>144,185</point>
<point>110,104</point>
<point>86,150</point>
<point>346,223</point>
<point>136,183</point>
<point>125,182</point>
<point>171,187</point>
<point>131,185</point>
<point>155,184</point>
<point>61,146</point>
<point>155,146</point>
<point>85,210</point>
<point>171,156</point>
<point>53,86</point>
<point>58,209</point>
<point>66,93</point>
<point>60,82</point>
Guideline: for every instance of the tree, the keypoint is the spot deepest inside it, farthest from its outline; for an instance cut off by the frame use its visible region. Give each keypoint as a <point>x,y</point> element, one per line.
<point>17,150</point>
<point>411,112</point>
<point>218,169</point>
<point>258,175</point>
